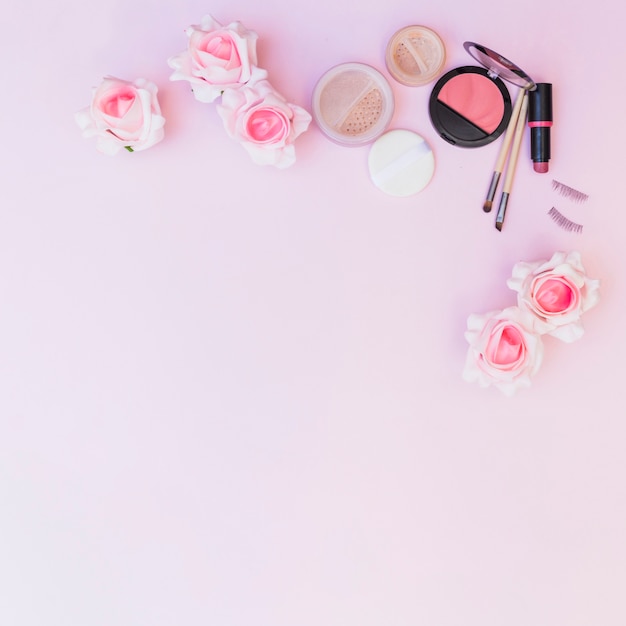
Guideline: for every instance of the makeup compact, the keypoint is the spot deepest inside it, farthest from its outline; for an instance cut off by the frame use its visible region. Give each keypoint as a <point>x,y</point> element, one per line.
<point>470,106</point>
<point>352,104</point>
<point>415,55</point>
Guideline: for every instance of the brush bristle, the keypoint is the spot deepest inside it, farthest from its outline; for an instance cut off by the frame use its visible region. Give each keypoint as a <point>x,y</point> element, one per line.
<point>487,206</point>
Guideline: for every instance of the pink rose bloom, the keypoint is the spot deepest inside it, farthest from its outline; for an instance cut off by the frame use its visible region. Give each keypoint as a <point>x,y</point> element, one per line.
<point>504,351</point>
<point>557,292</point>
<point>123,114</point>
<point>217,58</point>
<point>264,122</point>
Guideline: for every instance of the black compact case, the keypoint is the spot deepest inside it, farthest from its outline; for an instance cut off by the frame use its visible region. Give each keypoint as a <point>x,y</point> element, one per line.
<point>456,128</point>
<point>455,124</point>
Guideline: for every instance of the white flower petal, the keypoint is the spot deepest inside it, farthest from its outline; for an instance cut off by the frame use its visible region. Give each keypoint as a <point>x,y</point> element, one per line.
<point>139,126</point>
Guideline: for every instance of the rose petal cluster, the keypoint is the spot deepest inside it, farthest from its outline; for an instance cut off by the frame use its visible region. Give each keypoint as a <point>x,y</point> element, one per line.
<point>506,347</point>
<point>264,122</point>
<point>557,292</point>
<point>217,58</point>
<point>221,62</point>
<point>504,350</point>
<point>122,114</point>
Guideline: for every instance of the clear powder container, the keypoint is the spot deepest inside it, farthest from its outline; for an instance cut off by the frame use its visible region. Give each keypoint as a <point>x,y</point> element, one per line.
<point>415,55</point>
<point>352,104</point>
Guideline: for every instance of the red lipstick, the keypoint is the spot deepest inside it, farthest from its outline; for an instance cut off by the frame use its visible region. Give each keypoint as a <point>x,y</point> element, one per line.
<point>540,122</point>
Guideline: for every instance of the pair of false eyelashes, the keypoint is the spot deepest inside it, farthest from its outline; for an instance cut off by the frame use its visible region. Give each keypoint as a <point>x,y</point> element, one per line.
<point>572,194</point>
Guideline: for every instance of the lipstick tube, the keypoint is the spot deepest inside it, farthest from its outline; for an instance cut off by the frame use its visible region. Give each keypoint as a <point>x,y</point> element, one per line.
<point>540,122</point>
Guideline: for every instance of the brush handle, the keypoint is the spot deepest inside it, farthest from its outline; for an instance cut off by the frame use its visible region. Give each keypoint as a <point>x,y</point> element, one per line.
<point>510,170</point>
<point>510,130</point>
<point>504,150</point>
<point>517,140</point>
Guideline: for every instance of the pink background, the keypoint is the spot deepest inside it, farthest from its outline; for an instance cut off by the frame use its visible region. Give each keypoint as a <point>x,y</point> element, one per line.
<point>231,395</point>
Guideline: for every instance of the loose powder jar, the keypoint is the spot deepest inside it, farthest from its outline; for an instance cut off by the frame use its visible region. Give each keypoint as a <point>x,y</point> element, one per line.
<point>415,55</point>
<point>352,104</point>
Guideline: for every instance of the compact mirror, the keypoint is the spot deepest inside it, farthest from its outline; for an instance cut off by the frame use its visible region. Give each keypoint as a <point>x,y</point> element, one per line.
<point>499,66</point>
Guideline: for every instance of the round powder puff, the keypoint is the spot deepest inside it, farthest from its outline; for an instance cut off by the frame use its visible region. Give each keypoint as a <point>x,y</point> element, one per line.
<point>401,163</point>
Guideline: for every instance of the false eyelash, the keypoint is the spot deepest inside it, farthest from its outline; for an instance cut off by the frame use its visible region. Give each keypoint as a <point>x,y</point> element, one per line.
<point>569,192</point>
<point>564,222</point>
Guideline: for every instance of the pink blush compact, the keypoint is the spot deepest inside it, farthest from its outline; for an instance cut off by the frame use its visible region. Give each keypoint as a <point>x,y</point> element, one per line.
<point>471,106</point>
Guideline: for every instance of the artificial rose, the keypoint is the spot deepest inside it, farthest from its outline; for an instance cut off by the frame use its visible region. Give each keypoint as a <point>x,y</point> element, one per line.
<point>557,292</point>
<point>264,122</point>
<point>217,58</point>
<point>504,351</point>
<point>123,114</point>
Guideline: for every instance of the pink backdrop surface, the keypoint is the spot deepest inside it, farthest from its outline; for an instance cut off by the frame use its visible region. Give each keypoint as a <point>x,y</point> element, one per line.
<point>231,395</point>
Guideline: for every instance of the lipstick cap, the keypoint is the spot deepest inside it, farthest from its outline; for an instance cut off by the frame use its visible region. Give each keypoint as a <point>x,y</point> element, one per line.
<point>540,103</point>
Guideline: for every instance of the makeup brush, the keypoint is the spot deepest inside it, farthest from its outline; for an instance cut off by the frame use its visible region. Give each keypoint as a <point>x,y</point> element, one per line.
<point>510,170</point>
<point>504,150</point>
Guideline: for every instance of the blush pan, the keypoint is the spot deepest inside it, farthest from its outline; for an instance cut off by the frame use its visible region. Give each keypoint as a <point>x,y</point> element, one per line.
<point>475,98</point>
